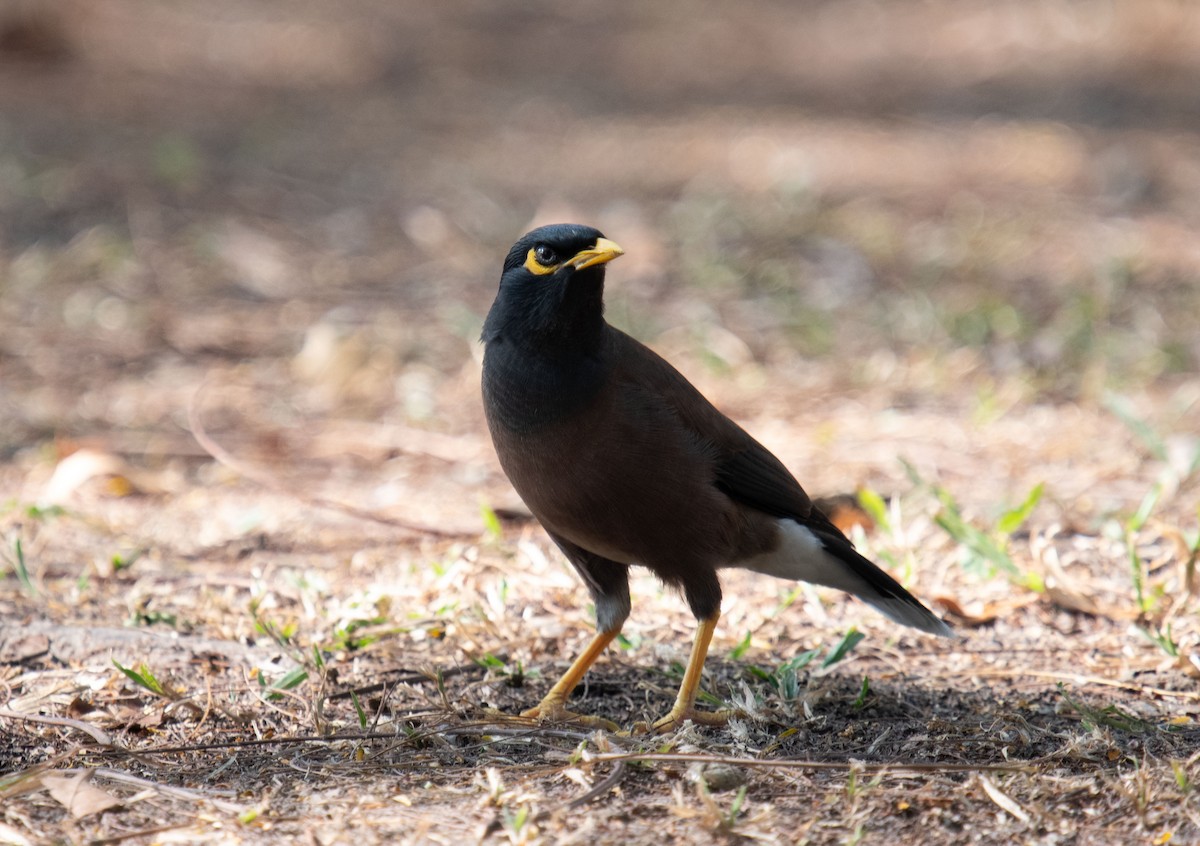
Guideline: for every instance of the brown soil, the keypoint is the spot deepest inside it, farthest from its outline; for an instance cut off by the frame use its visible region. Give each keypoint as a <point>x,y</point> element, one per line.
<point>939,252</point>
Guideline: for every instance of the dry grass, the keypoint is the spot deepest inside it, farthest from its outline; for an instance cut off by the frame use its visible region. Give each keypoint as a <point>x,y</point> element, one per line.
<point>941,290</point>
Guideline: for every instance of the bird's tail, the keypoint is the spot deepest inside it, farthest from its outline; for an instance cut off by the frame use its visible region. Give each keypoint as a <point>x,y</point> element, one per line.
<point>879,590</point>
<point>822,555</point>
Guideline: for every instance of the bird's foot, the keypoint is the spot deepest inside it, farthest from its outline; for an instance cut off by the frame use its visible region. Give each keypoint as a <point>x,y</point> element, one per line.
<point>552,710</point>
<point>678,716</point>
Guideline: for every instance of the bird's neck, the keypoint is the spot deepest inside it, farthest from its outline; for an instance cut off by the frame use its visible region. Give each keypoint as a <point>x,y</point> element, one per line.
<point>544,352</point>
<point>572,329</point>
<point>565,325</point>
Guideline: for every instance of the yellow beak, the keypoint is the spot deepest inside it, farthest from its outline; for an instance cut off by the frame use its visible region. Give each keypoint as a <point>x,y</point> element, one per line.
<point>604,251</point>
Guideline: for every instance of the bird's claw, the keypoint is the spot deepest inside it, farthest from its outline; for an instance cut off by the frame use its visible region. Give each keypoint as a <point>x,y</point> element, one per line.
<point>552,710</point>
<point>678,716</point>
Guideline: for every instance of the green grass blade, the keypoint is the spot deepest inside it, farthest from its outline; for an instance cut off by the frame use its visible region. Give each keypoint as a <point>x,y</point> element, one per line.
<point>143,677</point>
<point>1011,520</point>
<point>873,504</point>
<point>849,640</point>
<point>1123,409</point>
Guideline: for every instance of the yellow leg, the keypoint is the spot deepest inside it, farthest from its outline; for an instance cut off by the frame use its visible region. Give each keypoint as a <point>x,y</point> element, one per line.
<point>553,706</point>
<point>685,702</point>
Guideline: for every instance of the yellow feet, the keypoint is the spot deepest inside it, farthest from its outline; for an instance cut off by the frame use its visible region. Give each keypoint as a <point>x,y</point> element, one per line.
<point>685,702</point>
<point>553,710</point>
<point>553,707</point>
<point>679,716</point>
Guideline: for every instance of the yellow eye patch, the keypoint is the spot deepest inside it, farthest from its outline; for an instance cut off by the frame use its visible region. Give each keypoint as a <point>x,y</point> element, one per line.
<point>603,252</point>
<point>534,266</point>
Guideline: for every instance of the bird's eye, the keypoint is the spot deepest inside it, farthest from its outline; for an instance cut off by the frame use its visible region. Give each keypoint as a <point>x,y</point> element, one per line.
<point>545,255</point>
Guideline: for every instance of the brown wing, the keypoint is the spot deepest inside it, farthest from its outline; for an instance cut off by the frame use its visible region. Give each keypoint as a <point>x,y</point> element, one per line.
<point>743,469</point>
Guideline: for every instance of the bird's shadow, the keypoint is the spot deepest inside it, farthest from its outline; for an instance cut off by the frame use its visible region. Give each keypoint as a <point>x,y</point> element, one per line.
<point>873,714</point>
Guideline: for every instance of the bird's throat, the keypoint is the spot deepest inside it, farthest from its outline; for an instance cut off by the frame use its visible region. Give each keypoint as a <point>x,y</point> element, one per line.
<point>527,390</point>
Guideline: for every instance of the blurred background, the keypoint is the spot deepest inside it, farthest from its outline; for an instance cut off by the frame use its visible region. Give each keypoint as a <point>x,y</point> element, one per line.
<point>959,208</point>
<point>942,253</point>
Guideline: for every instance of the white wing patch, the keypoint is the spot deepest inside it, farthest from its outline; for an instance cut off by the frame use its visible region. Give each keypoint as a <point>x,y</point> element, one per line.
<point>800,556</point>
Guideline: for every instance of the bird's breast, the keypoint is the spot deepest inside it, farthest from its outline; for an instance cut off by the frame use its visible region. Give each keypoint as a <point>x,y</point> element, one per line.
<point>524,393</point>
<point>620,477</point>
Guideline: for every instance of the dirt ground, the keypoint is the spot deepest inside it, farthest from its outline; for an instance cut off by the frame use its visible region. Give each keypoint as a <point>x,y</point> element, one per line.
<point>262,580</point>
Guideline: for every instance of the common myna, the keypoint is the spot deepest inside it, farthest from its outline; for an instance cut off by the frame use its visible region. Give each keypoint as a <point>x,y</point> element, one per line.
<point>624,462</point>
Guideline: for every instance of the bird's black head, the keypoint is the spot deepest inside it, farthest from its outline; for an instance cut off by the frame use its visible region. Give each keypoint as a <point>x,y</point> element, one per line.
<point>552,288</point>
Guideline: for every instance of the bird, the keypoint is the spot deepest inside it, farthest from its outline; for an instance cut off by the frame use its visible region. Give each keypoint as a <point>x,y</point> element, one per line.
<point>625,463</point>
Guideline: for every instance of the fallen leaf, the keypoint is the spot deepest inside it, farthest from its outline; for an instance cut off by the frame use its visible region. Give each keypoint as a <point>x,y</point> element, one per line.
<point>78,707</point>
<point>979,616</point>
<point>78,468</point>
<point>1002,799</point>
<point>844,512</point>
<point>981,613</point>
<point>1190,664</point>
<point>78,795</point>
<point>1072,600</point>
<point>11,837</point>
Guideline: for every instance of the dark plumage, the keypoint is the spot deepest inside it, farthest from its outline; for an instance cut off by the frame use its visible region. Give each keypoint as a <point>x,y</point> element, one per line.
<point>624,462</point>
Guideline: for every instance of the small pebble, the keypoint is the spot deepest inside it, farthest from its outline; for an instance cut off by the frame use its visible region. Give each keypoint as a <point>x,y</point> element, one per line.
<point>719,777</point>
